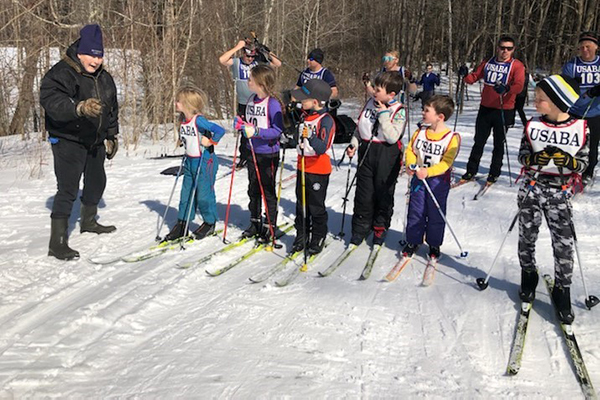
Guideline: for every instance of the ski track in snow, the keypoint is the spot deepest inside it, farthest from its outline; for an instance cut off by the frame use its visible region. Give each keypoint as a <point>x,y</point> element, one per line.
<point>149,330</point>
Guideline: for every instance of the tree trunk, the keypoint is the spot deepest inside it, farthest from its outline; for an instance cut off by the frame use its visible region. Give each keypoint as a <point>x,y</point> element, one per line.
<point>26,100</point>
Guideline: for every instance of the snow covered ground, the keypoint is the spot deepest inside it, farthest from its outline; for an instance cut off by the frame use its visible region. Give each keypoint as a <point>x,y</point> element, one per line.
<point>149,330</point>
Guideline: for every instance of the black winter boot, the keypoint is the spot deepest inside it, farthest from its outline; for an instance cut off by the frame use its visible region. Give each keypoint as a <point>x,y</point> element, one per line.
<point>88,221</point>
<point>254,229</point>
<point>561,296</point>
<point>529,281</point>
<point>204,230</point>
<point>59,240</point>
<point>177,232</point>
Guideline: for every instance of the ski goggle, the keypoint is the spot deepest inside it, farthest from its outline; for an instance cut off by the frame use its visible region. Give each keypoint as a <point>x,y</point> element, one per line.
<point>387,58</point>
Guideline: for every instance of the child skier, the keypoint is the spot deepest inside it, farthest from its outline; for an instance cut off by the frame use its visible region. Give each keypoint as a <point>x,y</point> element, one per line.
<point>263,126</point>
<point>433,149</point>
<point>555,146</point>
<point>379,131</point>
<point>316,132</point>
<point>198,136</point>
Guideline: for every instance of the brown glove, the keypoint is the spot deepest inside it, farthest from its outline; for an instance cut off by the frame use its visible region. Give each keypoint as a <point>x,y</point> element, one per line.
<point>112,145</point>
<point>91,107</point>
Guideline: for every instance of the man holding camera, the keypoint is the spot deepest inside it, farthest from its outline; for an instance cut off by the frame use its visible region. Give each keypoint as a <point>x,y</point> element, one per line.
<point>252,54</point>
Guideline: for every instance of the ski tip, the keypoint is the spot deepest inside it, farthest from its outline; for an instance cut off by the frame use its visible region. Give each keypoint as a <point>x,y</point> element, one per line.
<point>481,283</point>
<point>322,274</point>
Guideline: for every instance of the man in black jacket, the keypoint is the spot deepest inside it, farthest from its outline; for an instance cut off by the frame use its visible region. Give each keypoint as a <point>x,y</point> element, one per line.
<point>80,100</point>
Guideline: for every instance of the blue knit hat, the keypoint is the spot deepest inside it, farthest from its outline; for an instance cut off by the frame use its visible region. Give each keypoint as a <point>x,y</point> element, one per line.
<point>90,41</point>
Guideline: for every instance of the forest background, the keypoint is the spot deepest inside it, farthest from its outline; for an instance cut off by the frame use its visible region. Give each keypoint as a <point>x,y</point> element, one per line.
<point>153,46</point>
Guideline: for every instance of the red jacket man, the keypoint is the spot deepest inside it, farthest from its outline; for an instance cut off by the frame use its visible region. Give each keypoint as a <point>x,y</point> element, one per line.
<point>503,77</point>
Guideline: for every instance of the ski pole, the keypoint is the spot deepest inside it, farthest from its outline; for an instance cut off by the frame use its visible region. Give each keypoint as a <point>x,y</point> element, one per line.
<point>349,188</point>
<point>162,223</point>
<point>362,161</point>
<point>590,300</point>
<point>407,107</point>
<point>304,224</point>
<point>280,178</point>
<point>483,283</point>
<point>504,129</point>
<point>345,199</point>
<point>337,168</point>
<point>407,195</point>
<point>237,141</point>
<point>463,253</point>
<point>458,101</point>
<point>192,202</point>
<point>264,199</point>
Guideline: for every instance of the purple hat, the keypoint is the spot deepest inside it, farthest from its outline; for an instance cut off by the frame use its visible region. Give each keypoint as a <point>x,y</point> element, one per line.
<point>90,41</point>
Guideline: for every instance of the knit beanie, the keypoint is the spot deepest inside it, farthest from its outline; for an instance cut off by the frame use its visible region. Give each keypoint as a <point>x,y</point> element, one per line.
<point>591,36</point>
<point>90,41</point>
<point>562,90</point>
<point>317,55</point>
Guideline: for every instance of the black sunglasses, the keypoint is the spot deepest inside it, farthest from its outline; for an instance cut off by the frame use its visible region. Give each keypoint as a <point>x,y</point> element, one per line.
<point>509,48</point>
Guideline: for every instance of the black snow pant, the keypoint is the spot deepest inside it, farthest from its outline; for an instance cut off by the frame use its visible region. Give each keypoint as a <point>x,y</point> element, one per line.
<point>267,167</point>
<point>71,160</point>
<point>316,212</point>
<point>375,184</point>
<point>594,125</point>
<point>519,106</point>
<point>489,119</point>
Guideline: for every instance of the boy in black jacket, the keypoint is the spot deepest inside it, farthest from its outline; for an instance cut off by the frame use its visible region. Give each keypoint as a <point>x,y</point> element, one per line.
<point>80,100</point>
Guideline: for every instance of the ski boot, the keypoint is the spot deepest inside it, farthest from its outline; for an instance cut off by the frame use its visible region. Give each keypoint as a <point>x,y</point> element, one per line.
<point>467,176</point>
<point>379,233</point>
<point>316,245</point>
<point>529,281</point>
<point>298,244</point>
<point>177,232</point>
<point>434,252</point>
<point>409,250</point>
<point>561,296</point>
<point>491,179</point>
<point>254,229</point>
<point>204,230</point>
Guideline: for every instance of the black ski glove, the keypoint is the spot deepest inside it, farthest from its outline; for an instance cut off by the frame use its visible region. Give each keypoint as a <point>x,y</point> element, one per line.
<point>594,92</point>
<point>501,89</point>
<point>562,159</point>
<point>540,158</point>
